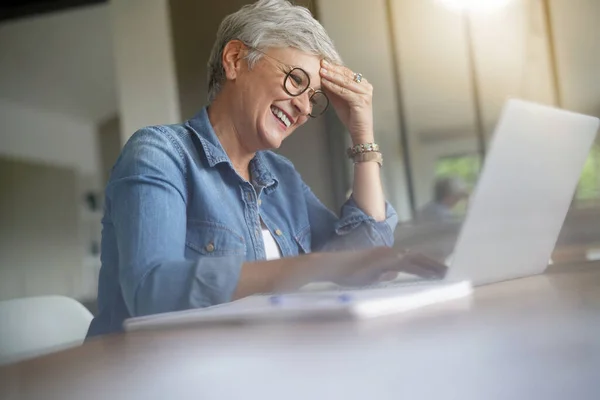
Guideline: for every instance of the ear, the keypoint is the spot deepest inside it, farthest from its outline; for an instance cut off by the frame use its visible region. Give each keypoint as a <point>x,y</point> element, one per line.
<point>233,54</point>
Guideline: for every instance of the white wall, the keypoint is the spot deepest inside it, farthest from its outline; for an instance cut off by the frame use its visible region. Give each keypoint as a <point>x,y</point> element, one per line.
<point>40,248</point>
<point>49,161</point>
<point>47,138</point>
<point>60,62</point>
<point>145,65</point>
<point>577,34</point>
<point>56,84</point>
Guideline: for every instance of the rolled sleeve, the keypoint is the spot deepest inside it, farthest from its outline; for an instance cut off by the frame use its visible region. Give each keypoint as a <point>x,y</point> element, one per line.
<point>353,230</point>
<point>353,216</point>
<point>356,230</point>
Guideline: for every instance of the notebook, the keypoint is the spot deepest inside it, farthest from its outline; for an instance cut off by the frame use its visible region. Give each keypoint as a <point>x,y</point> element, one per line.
<point>341,303</point>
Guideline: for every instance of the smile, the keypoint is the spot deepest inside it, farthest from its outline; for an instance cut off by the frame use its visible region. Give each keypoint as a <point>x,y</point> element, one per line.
<point>281,116</point>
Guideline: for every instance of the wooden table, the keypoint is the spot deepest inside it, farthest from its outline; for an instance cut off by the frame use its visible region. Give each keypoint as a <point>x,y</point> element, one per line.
<point>533,338</point>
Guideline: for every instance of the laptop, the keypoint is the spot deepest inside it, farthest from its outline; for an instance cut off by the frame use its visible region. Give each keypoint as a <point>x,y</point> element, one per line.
<point>523,193</point>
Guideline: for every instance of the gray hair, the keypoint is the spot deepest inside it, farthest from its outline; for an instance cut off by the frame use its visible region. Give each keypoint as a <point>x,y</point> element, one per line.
<point>268,23</point>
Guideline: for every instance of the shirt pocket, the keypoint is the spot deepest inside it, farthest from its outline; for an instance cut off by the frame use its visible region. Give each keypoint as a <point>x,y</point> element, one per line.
<point>214,239</point>
<point>303,239</point>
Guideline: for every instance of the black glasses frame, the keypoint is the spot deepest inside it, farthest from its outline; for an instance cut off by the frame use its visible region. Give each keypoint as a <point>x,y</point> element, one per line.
<point>288,75</point>
<point>314,92</point>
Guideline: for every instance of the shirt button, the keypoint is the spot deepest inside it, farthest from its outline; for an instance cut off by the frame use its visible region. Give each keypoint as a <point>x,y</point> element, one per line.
<point>210,247</point>
<point>278,232</point>
<point>259,202</point>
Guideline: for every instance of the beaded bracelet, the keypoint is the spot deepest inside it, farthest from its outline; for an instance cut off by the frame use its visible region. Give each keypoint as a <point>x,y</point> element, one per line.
<point>362,148</point>
<point>369,156</point>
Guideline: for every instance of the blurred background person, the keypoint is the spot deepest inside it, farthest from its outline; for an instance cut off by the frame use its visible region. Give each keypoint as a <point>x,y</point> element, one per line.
<point>448,192</point>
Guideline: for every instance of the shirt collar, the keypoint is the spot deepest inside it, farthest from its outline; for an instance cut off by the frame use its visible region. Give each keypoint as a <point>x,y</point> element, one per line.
<point>215,154</point>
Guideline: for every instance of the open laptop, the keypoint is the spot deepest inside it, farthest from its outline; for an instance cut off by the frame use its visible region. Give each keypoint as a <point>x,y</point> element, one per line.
<point>523,193</point>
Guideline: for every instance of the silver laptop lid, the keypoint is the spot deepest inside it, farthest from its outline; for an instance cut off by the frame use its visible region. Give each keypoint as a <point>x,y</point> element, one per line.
<point>523,194</point>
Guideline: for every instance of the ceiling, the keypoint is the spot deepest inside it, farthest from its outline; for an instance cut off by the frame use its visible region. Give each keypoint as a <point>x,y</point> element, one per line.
<point>14,9</point>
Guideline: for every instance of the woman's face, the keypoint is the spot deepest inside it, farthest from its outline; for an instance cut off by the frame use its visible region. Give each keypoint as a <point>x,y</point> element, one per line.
<point>261,98</point>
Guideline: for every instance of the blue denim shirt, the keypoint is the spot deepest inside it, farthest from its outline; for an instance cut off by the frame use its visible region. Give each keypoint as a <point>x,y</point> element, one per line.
<point>179,222</point>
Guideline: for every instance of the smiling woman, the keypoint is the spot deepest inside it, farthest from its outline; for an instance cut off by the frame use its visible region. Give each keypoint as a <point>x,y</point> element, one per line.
<point>204,212</point>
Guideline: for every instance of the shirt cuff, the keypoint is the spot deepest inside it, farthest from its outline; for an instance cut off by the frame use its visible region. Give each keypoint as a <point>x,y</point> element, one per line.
<point>353,216</point>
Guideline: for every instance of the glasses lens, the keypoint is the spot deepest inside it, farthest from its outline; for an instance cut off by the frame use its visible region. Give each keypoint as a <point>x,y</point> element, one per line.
<point>296,82</point>
<point>319,102</point>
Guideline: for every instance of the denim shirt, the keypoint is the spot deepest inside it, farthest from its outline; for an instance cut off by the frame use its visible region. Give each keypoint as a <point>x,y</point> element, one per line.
<point>179,222</point>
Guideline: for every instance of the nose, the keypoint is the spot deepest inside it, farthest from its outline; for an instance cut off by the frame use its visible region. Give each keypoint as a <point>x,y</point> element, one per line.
<point>302,103</point>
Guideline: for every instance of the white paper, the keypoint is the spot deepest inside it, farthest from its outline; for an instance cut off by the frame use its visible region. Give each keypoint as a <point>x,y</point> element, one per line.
<point>358,303</point>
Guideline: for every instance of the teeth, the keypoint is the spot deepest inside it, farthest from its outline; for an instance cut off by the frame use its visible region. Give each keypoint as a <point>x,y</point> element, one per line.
<point>281,115</point>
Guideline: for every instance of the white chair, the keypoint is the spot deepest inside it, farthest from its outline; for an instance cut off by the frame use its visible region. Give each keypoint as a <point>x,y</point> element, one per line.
<point>34,326</point>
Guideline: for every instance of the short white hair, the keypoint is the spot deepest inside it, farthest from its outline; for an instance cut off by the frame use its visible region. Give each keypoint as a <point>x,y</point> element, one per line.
<point>264,24</point>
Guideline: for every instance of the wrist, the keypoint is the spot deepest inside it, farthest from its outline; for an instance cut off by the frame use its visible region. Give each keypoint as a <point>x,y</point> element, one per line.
<point>363,139</point>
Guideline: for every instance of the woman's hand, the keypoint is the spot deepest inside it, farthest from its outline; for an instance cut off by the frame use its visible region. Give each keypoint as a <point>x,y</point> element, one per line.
<point>363,267</point>
<point>352,101</point>
<point>348,268</point>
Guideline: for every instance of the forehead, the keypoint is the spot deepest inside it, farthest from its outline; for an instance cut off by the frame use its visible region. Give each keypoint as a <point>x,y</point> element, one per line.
<point>297,58</point>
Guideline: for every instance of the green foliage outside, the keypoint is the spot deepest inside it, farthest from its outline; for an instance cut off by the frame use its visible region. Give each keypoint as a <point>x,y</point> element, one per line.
<point>588,189</point>
<point>467,167</point>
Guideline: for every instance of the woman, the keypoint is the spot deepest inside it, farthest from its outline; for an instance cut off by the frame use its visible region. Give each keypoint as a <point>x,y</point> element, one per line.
<point>194,210</point>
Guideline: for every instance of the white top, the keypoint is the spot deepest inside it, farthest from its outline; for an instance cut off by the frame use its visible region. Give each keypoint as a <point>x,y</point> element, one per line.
<point>271,247</point>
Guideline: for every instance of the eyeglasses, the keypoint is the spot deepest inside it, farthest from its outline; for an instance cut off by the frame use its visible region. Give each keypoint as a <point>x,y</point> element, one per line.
<point>296,82</point>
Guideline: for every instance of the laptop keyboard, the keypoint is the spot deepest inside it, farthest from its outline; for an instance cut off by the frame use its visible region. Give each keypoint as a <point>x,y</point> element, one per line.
<point>393,284</point>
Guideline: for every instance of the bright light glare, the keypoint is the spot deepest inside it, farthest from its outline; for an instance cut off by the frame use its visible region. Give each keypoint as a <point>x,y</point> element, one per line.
<point>475,6</point>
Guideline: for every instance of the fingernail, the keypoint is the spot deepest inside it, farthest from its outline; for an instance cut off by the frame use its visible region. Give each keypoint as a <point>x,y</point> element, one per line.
<point>325,62</point>
<point>323,71</point>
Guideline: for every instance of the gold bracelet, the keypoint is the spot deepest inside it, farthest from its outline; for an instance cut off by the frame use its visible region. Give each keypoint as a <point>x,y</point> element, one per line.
<point>370,156</point>
<point>362,148</point>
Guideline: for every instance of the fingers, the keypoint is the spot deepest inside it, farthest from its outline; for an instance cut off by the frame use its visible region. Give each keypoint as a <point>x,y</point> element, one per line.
<point>370,265</point>
<point>340,80</point>
<point>423,266</point>
<point>347,73</point>
<point>361,267</point>
<point>339,83</point>
<point>383,259</point>
<point>388,276</point>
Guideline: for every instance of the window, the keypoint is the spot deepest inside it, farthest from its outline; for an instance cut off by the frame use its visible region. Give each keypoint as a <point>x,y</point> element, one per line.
<point>588,189</point>
<point>465,166</point>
